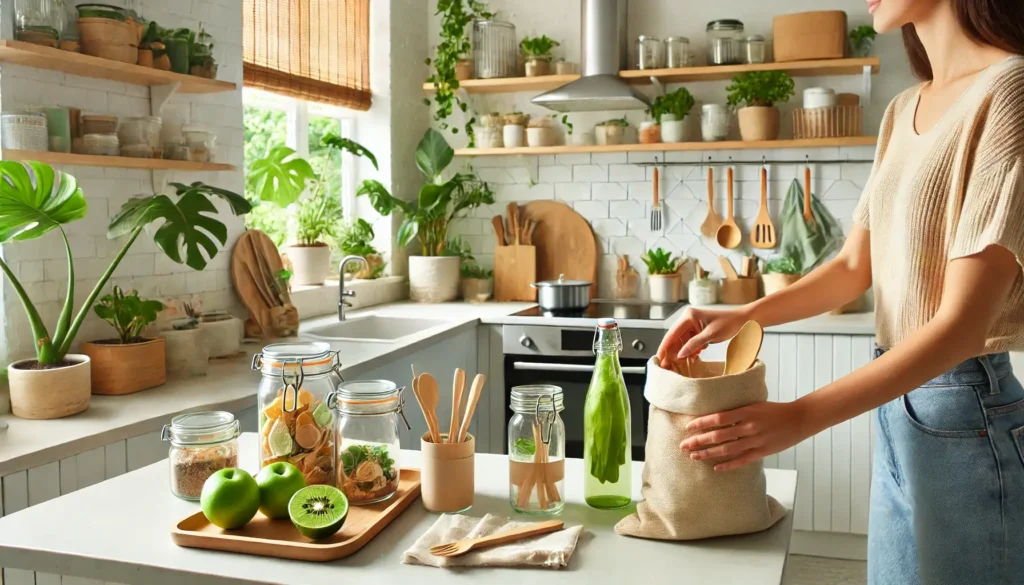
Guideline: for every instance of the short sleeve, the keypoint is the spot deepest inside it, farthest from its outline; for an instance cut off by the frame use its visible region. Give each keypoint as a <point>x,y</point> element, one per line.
<point>862,213</point>
<point>993,211</point>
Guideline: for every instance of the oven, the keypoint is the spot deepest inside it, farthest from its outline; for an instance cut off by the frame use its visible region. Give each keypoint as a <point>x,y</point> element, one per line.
<point>564,357</point>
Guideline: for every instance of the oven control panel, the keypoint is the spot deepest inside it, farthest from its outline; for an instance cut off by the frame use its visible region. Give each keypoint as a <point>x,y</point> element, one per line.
<point>575,341</point>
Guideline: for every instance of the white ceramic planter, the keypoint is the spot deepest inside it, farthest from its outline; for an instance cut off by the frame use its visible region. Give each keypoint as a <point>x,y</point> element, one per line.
<point>513,135</point>
<point>187,353</point>
<point>664,288</point>
<point>310,264</point>
<point>672,130</point>
<point>49,394</point>
<point>434,279</point>
<point>540,137</point>
<point>223,338</point>
<point>583,139</point>
<point>703,292</point>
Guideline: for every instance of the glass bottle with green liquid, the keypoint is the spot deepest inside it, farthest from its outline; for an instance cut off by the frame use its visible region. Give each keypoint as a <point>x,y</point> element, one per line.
<point>607,453</point>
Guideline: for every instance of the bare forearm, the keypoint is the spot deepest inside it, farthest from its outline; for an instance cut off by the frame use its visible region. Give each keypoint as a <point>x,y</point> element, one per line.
<point>830,286</point>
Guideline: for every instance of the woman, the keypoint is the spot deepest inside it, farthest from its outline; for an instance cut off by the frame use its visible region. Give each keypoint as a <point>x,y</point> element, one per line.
<point>940,235</point>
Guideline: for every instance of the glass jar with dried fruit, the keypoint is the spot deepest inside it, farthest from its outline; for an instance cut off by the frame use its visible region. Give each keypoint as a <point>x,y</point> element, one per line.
<point>202,443</point>
<point>295,418</point>
<point>366,432</point>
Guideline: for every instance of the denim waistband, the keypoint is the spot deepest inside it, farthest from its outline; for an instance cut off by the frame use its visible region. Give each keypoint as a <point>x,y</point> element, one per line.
<point>970,372</point>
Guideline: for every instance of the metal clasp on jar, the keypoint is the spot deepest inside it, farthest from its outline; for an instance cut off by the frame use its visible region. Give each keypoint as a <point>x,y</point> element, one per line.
<point>545,427</point>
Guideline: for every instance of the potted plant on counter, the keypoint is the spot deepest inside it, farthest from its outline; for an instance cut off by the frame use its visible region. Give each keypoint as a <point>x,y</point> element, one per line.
<point>663,277</point>
<point>433,275</point>
<point>669,111</point>
<point>35,200</point>
<point>187,351</point>
<point>317,220</point>
<point>357,240</point>
<point>537,54</point>
<point>778,273</point>
<point>755,93</point>
<point>477,282</point>
<point>130,362</point>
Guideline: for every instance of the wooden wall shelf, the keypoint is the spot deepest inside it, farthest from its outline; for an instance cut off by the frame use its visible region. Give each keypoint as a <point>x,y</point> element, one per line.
<point>120,162</point>
<point>30,55</point>
<point>821,68</point>
<point>673,147</point>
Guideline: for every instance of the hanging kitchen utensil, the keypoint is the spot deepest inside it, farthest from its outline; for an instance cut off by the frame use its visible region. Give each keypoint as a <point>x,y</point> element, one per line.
<point>713,221</point>
<point>499,229</point>
<point>743,349</point>
<point>729,234</point>
<point>656,222</point>
<point>763,234</point>
<point>808,214</point>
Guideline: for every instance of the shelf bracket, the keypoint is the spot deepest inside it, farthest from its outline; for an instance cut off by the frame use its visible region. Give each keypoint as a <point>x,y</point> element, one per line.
<point>160,180</point>
<point>867,86</point>
<point>659,88</point>
<point>158,96</point>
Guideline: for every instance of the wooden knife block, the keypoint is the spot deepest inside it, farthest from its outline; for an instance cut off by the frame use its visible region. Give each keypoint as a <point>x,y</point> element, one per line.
<point>515,269</point>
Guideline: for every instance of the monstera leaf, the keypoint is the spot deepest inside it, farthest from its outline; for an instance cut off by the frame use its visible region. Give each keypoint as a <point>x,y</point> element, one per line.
<point>239,205</point>
<point>335,141</point>
<point>35,199</point>
<point>186,227</point>
<point>433,155</point>
<point>280,177</point>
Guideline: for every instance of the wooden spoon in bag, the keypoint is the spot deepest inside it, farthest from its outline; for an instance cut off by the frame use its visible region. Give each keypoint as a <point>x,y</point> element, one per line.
<point>743,349</point>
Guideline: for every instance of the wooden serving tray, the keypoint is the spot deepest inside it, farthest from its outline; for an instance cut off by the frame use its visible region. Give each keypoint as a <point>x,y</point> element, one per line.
<point>278,538</point>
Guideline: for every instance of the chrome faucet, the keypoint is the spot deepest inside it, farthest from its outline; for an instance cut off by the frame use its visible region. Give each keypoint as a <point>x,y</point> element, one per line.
<point>342,293</point>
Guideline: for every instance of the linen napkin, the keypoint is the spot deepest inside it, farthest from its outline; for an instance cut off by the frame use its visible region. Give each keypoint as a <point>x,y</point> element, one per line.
<point>551,551</point>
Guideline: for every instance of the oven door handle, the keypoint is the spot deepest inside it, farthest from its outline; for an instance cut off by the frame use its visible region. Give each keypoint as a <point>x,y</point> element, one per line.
<point>536,367</point>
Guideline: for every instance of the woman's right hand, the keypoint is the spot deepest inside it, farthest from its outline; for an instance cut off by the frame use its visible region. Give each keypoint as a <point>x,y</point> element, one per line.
<point>697,329</point>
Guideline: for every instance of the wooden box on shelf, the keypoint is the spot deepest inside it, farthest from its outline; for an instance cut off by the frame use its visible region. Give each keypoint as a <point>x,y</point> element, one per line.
<point>515,269</point>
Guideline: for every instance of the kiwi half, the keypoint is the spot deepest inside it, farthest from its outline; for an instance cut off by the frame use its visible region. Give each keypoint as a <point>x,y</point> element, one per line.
<point>318,511</point>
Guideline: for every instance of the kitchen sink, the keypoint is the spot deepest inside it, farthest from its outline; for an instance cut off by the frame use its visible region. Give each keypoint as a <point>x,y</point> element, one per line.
<point>373,328</point>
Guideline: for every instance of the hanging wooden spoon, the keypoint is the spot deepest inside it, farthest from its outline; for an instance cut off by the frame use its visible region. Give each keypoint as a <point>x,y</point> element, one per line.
<point>743,349</point>
<point>713,221</point>
<point>429,394</point>
<point>808,216</point>
<point>729,235</point>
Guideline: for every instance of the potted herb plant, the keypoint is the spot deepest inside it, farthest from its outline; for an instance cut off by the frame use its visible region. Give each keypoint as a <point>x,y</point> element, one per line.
<point>778,273</point>
<point>862,39</point>
<point>615,131</point>
<point>537,54</point>
<point>755,93</point>
<point>433,275</point>
<point>130,362</point>
<point>281,178</point>
<point>35,200</point>
<point>663,277</point>
<point>703,290</point>
<point>357,240</point>
<point>669,111</point>
<point>187,351</point>
<point>477,285</point>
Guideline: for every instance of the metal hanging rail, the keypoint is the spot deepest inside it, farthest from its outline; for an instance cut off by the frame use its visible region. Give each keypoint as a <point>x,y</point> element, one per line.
<point>763,162</point>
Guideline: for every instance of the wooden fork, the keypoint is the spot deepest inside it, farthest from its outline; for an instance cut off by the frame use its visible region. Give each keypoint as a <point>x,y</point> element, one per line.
<point>461,547</point>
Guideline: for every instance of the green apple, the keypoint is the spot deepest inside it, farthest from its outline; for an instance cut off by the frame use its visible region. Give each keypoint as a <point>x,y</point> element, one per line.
<point>230,498</point>
<point>278,483</point>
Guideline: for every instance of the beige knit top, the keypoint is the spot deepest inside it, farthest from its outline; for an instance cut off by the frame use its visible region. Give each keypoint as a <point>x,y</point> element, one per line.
<point>947,193</point>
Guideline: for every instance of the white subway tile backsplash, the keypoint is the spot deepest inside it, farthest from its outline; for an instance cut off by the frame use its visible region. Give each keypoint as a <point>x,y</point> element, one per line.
<point>573,191</point>
<point>589,173</point>
<point>627,210</point>
<point>592,210</point>
<point>572,159</point>
<point>555,174</point>
<point>520,192</point>
<point>608,158</point>
<point>638,157</point>
<point>608,191</point>
<point>641,190</point>
<point>626,173</point>
<point>607,228</point>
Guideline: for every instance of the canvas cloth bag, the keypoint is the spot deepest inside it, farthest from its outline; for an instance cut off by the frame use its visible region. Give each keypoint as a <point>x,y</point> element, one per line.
<point>685,499</point>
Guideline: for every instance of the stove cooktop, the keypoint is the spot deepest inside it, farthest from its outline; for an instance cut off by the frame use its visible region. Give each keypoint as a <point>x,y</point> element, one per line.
<point>600,309</point>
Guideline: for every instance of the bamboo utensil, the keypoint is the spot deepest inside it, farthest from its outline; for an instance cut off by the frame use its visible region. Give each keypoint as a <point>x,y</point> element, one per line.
<point>461,547</point>
<point>808,216</point>
<point>656,222</point>
<point>513,218</point>
<point>747,267</point>
<point>474,397</point>
<point>499,229</point>
<point>713,221</point>
<point>743,349</point>
<point>538,478</point>
<point>729,235</point>
<point>763,234</point>
<point>626,279</point>
<point>457,387</point>
<point>730,272</point>
<point>428,397</point>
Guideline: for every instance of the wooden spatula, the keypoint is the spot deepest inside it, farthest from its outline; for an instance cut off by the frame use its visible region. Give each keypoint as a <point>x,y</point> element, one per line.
<point>499,229</point>
<point>743,349</point>
<point>513,218</point>
<point>709,229</point>
<point>763,234</point>
<point>727,267</point>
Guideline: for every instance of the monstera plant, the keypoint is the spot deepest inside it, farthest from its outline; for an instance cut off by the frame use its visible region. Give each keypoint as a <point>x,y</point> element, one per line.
<point>35,200</point>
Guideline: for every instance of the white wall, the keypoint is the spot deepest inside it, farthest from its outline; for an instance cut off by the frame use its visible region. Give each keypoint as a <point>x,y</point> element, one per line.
<point>40,265</point>
<point>614,195</point>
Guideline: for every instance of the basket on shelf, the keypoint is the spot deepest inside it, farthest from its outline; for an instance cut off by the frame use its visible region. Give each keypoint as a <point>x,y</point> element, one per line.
<point>109,39</point>
<point>829,122</point>
<point>25,132</point>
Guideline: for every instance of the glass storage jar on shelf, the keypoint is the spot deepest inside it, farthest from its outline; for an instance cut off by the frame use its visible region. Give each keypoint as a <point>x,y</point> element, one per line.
<point>536,450</point>
<point>725,41</point>
<point>650,52</point>
<point>38,21</point>
<point>202,443</point>
<point>295,417</point>
<point>677,52</point>
<point>366,432</point>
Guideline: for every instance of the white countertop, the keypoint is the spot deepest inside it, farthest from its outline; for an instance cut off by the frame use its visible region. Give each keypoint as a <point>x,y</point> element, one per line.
<point>120,531</point>
<point>230,385</point>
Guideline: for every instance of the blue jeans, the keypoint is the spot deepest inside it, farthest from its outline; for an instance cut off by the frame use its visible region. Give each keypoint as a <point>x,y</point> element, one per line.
<point>947,488</point>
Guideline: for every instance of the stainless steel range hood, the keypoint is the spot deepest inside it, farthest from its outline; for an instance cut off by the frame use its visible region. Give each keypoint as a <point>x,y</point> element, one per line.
<point>604,51</point>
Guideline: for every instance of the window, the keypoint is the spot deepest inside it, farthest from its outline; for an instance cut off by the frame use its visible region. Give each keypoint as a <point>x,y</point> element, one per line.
<point>272,120</point>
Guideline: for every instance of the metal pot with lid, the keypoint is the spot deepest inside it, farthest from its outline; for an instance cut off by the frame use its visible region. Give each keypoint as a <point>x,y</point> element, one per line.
<point>562,294</point>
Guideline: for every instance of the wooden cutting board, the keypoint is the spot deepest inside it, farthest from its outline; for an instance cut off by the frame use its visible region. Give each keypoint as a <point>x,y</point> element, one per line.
<point>255,264</point>
<point>564,241</point>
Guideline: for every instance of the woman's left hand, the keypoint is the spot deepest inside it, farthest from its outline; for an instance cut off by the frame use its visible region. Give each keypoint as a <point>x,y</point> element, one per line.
<point>750,433</point>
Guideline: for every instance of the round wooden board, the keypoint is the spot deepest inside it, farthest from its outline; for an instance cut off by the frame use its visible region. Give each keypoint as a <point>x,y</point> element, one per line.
<point>565,243</point>
<point>255,262</point>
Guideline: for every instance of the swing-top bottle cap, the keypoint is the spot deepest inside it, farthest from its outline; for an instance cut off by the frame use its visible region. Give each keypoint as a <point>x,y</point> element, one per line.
<point>606,323</point>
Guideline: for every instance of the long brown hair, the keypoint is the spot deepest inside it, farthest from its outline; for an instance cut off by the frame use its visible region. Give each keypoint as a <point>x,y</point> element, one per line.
<point>997,23</point>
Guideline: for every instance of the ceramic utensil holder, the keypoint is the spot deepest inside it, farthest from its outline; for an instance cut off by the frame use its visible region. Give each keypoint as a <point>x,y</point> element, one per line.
<point>446,474</point>
<point>739,291</point>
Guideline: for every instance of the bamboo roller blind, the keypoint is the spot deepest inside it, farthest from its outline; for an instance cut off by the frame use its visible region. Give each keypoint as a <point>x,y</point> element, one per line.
<point>316,50</point>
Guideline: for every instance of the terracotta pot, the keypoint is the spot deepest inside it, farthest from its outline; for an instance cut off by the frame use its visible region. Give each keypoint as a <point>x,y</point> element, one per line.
<point>187,353</point>
<point>123,369</point>
<point>145,58</point>
<point>463,69</point>
<point>776,282</point>
<point>310,264</point>
<point>650,132</point>
<point>477,290</point>
<point>759,123</point>
<point>49,394</point>
<point>433,279</point>
<point>538,66</point>
<point>664,288</point>
<point>373,262</point>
